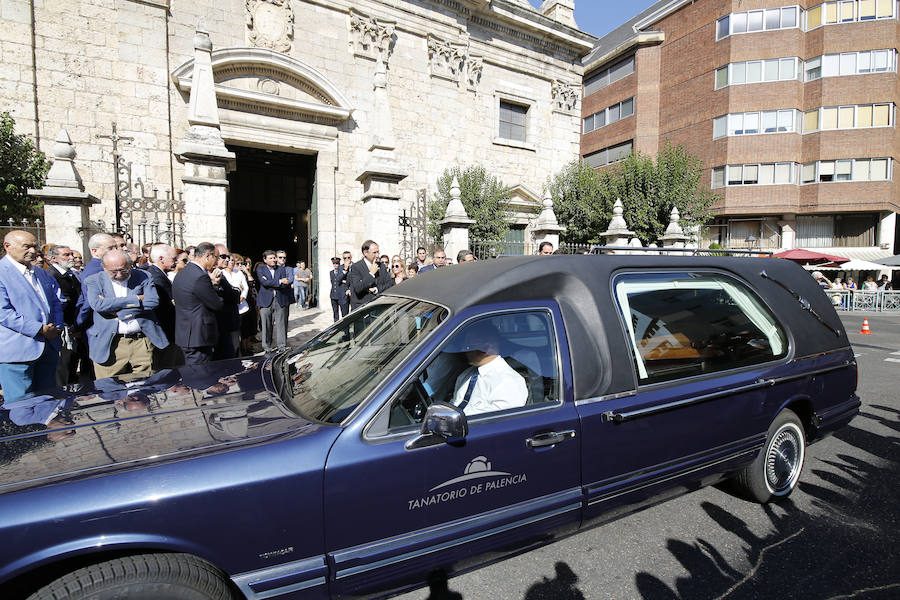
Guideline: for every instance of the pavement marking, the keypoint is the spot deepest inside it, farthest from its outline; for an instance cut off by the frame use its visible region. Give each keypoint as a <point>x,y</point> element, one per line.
<point>896,353</point>
<point>896,360</point>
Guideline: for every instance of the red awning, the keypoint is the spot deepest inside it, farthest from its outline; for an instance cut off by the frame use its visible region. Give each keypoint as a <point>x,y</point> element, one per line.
<point>808,257</point>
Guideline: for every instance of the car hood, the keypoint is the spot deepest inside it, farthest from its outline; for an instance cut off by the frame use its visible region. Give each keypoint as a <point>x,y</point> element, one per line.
<point>117,424</point>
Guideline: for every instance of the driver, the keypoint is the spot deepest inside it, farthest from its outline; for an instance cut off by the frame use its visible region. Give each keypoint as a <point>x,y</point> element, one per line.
<point>490,384</point>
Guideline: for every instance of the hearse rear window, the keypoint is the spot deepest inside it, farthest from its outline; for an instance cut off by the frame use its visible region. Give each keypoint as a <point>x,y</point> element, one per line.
<point>685,324</point>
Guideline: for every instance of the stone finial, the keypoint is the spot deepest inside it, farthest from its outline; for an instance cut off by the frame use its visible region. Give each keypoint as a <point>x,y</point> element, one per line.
<point>63,173</point>
<point>455,209</point>
<point>674,236</point>
<point>201,39</point>
<point>617,234</point>
<point>546,223</point>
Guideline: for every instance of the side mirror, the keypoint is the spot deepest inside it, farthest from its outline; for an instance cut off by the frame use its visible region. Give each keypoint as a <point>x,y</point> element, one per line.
<point>442,423</point>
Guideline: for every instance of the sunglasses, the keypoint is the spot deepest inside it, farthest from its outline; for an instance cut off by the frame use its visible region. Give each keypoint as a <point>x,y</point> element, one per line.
<point>223,256</point>
<point>398,266</point>
<point>184,260</point>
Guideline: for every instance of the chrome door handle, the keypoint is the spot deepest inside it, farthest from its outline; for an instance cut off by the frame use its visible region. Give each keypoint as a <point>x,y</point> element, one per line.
<point>549,439</point>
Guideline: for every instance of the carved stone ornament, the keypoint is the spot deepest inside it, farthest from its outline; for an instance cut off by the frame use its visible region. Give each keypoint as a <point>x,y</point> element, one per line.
<point>445,59</point>
<point>370,37</point>
<point>565,96</point>
<point>270,24</point>
<point>474,69</point>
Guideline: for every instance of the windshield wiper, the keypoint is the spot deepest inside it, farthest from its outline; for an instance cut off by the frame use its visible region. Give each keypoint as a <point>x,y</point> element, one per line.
<point>804,303</point>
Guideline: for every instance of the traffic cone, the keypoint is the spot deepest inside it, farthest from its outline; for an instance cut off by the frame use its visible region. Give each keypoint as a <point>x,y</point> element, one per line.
<point>865,328</point>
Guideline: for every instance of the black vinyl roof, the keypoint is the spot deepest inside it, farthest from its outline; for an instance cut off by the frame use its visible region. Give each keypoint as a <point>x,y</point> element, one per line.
<point>581,286</point>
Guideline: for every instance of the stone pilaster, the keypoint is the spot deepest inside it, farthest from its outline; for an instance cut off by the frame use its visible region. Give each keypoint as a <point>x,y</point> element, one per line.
<point>66,204</point>
<point>455,224</point>
<point>204,155</point>
<point>382,174</point>
<point>547,228</point>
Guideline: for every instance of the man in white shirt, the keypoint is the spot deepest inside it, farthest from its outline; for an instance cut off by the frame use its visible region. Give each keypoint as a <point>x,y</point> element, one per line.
<point>125,329</point>
<point>490,384</point>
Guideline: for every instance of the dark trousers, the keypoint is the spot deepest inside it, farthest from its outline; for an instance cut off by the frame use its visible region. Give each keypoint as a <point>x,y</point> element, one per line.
<point>342,305</point>
<point>224,347</point>
<point>168,358</point>
<point>197,355</point>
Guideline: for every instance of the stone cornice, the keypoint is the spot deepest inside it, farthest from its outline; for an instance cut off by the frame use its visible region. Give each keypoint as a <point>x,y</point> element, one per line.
<point>155,3</point>
<point>649,38</point>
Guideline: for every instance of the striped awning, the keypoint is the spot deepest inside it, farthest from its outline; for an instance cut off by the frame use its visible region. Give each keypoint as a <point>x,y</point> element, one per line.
<point>870,254</point>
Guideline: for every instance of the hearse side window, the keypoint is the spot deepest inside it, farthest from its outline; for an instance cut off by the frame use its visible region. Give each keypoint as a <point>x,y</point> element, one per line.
<point>515,356</point>
<point>685,324</point>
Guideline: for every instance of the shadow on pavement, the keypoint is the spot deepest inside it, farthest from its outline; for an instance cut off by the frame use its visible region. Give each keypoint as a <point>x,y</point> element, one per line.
<point>562,587</point>
<point>844,547</point>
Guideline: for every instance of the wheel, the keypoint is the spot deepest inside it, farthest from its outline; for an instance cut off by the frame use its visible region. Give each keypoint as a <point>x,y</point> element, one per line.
<point>141,577</point>
<point>774,473</point>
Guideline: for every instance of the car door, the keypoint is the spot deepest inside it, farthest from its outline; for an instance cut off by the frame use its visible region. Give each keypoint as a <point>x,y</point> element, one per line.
<point>394,513</point>
<point>705,351</point>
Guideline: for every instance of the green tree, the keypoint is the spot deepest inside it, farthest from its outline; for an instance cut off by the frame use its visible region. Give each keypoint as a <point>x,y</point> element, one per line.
<point>22,166</point>
<point>648,190</point>
<point>484,197</point>
<point>576,192</point>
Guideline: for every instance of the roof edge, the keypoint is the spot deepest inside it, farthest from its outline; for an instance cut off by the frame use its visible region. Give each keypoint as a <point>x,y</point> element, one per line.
<point>647,38</point>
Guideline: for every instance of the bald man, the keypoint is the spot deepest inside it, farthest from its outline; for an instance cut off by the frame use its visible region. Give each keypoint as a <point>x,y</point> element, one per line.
<point>30,320</point>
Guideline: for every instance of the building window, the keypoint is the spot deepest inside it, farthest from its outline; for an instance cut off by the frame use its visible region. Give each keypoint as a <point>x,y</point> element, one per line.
<point>767,121</point>
<point>603,78</point>
<point>859,169</point>
<point>756,71</point>
<point>758,20</point>
<point>609,115</point>
<point>850,63</point>
<point>838,231</point>
<point>848,117</point>
<point>848,11</point>
<point>512,121</point>
<point>609,155</point>
<point>754,174</point>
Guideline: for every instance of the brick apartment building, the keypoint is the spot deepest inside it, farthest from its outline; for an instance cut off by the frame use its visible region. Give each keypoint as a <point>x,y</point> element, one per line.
<point>791,108</point>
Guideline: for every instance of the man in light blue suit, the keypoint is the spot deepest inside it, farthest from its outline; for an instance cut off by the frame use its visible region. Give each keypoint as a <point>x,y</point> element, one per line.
<point>30,320</point>
<point>125,329</point>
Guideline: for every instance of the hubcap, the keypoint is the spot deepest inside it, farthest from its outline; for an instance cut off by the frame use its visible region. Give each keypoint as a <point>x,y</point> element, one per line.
<point>784,460</point>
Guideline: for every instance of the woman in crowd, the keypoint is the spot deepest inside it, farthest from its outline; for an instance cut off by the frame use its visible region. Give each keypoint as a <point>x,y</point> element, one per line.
<point>249,317</point>
<point>851,285</point>
<point>412,270</point>
<point>398,272</point>
<point>870,285</point>
<point>181,260</point>
<point>238,280</point>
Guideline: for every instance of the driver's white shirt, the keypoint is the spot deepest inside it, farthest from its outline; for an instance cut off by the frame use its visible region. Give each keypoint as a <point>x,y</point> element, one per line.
<point>498,387</point>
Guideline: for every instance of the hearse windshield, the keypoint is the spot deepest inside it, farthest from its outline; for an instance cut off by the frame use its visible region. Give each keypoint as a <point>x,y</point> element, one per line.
<point>326,378</point>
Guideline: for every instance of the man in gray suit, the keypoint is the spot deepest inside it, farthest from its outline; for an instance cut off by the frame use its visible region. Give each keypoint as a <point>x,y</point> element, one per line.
<point>125,329</point>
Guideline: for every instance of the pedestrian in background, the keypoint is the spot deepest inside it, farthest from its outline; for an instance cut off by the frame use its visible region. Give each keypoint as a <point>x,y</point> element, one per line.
<point>412,270</point>
<point>439,260</point>
<point>340,303</point>
<point>302,278</point>
<point>229,320</point>
<point>465,256</point>
<point>73,348</point>
<point>162,263</point>
<point>238,281</point>
<point>274,301</point>
<point>31,315</point>
<point>368,276</point>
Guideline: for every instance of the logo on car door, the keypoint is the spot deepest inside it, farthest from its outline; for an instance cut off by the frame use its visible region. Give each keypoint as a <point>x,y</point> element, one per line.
<point>479,468</point>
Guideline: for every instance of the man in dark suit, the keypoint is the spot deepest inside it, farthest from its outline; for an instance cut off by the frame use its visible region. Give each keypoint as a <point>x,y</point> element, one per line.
<point>162,262</point>
<point>125,329</point>
<point>196,305</point>
<point>73,350</point>
<point>439,260</point>
<point>368,277</point>
<point>273,299</point>
<point>339,300</point>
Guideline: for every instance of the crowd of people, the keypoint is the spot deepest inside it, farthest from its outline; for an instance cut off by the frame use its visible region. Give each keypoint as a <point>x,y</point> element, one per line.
<point>131,310</point>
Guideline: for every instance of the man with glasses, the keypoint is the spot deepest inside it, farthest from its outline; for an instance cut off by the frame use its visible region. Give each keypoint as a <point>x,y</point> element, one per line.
<point>196,305</point>
<point>73,348</point>
<point>274,302</point>
<point>125,329</point>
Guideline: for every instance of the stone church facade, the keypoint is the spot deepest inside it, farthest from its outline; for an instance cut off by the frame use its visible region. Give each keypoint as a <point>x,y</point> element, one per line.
<point>310,125</point>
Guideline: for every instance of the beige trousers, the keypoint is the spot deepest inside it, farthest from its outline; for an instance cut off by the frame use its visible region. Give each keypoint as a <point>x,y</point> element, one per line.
<point>126,355</point>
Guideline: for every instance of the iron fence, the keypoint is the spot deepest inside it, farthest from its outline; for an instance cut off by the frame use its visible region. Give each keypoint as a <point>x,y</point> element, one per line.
<point>483,249</point>
<point>32,226</point>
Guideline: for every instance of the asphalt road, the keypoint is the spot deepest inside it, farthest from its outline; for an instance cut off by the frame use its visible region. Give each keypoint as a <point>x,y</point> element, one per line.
<point>836,537</point>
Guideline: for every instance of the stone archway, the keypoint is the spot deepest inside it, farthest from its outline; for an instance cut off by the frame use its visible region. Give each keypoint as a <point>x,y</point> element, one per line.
<point>269,100</point>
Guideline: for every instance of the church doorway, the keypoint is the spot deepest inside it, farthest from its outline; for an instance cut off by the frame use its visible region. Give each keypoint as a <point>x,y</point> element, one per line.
<point>271,204</point>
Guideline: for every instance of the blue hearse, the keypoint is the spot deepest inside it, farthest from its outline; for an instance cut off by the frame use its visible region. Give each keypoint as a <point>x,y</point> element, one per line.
<point>356,464</point>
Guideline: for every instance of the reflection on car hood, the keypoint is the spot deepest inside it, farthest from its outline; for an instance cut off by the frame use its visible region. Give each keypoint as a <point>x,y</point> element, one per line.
<point>116,424</point>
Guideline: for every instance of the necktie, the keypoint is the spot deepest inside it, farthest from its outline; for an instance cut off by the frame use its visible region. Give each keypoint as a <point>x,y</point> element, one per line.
<point>472,380</point>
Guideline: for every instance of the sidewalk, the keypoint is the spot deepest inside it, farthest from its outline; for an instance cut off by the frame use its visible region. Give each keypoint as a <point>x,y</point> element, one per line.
<point>304,324</point>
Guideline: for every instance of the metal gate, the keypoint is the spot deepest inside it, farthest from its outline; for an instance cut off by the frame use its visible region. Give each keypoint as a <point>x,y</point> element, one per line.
<point>144,217</point>
<point>414,228</point>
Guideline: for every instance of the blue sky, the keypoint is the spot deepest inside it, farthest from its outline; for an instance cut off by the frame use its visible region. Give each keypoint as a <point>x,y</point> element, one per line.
<point>599,17</point>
